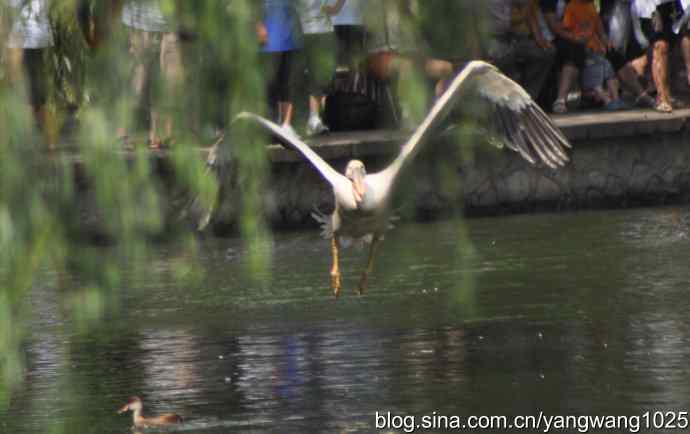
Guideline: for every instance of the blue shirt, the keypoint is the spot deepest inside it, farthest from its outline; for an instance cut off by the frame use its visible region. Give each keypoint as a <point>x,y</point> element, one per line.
<point>283,26</point>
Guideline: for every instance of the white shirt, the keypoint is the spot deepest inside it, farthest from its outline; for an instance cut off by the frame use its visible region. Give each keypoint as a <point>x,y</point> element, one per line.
<point>144,15</point>
<point>351,13</point>
<point>313,19</point>
<point>31,28</point>
<point>645,8</point>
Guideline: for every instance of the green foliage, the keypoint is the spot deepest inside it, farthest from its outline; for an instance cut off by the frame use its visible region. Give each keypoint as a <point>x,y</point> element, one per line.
<point>44,195</point>
<point>41,221</point>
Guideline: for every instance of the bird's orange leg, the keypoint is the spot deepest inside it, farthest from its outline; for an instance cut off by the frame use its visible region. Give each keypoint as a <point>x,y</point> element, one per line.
<point>335,270</point>
<point>370,265</point>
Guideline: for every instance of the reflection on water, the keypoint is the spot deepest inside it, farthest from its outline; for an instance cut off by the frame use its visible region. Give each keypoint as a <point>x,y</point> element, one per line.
<point>568,314</point>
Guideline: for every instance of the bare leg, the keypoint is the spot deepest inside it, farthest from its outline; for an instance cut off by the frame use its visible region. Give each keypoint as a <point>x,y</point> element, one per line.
<point>370,266</point>
<point>314,105</point>
<point>173,77</point>
<point>640,65</point>
<point>154,139</point>
<point>568,77</point>
<point>630,79</point>
<point>660,73</point>
<point>613,87</point>
<point>439,70</point>
<point>285,112</point>
<point>335,270</point>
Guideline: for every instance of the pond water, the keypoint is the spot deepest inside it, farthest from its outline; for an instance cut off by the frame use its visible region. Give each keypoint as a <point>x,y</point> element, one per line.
<point>583,313</point>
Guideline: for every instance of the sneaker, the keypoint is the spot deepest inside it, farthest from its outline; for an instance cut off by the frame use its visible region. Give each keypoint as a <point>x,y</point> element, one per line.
<point>616,104</point>
<point>559,106</point>
<point>290,131</point>
<point>315,126</point>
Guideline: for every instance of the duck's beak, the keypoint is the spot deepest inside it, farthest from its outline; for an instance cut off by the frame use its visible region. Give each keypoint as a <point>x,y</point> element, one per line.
<point>358,186</point>
<point>123,409</point>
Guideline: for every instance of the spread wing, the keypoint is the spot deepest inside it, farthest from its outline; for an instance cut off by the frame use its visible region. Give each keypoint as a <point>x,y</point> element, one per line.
<point>515,118</point>
<point>329,173</point>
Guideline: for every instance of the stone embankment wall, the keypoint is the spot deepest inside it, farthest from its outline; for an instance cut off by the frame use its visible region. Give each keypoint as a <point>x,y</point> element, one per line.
<point>625,169</point>
<point>623,159</point>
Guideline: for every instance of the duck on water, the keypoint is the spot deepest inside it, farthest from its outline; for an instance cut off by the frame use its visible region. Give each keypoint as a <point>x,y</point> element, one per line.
<point>136,406</point>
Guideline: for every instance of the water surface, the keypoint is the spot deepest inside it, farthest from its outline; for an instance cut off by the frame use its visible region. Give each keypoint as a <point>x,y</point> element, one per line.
<point>581,313</point>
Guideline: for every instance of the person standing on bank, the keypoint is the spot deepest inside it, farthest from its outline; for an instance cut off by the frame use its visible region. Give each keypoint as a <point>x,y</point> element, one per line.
<point>29,40</point>
<point>350,31</point>
<point>320,54</point>
<point>280,37</point>
<point>158,72</point>
<point>656,19</point>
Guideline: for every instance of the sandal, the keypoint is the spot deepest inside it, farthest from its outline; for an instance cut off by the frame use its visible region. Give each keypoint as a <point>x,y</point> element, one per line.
<point>663,107</point>
<point>559,106</point>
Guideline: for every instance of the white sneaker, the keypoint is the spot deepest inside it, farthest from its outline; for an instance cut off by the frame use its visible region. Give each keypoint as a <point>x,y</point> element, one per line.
<point>290,131</point>
<point>315,126</point>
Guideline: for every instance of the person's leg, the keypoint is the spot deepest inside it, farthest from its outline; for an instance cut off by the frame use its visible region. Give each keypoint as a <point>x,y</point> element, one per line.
<point>320,55</point>
<point>630,79</point>
<point>685,47</point>
<point>537,65</point>
<point>639,64</point>
<point>172,79</point>
<point>140,46</point>
<point>34,63</point>
<point>568,77</point>
<point>284,88</point>
<point>439,70</point>
<point>573,58</point>
<point>660,75</point>
<point>613,88</point>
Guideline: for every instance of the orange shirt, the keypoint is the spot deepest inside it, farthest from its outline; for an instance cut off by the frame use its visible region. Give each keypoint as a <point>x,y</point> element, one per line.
<point>582,19</point>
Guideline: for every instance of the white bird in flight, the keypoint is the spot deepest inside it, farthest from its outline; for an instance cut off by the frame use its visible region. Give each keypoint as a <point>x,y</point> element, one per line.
<point>363,200</point>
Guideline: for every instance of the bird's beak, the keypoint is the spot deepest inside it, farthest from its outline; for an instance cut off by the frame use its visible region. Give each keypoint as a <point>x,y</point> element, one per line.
<point>123,409</point>
<point>358,186</point>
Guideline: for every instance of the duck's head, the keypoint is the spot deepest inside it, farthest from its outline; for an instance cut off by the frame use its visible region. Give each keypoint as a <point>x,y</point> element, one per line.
<point>356,172</point>
<point>134,404</point>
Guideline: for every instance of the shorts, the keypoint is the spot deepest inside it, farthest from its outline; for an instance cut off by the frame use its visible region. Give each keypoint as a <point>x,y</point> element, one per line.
<point>35,66</point>
<point>570,53</point>
<point>660,26</point>
<point>278,66</point>
<point>596,72</point>
<point>319,53</point>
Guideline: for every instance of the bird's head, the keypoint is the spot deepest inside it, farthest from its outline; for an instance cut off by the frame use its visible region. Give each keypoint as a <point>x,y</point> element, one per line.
<point>356,172</point>
<point>134,404</point>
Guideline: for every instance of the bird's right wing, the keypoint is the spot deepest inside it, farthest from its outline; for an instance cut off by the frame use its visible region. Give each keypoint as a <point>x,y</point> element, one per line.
<point>325,169</point>
<point>514,116</point>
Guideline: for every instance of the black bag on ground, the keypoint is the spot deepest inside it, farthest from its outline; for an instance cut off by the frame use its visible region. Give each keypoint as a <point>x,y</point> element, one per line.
<point>350,105</point>
<point>347,111</point>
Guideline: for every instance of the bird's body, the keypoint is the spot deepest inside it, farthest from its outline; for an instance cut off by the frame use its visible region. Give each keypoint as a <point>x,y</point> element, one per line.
<point>363,201</point>
<point>136,406</point>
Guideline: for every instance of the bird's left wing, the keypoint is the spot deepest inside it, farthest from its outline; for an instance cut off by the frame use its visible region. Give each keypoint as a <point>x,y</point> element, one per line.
<point>325,169</point>
<point>518,121</point>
